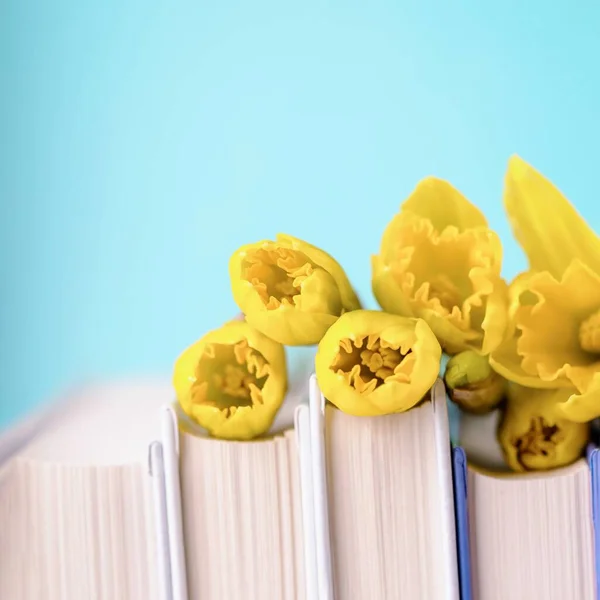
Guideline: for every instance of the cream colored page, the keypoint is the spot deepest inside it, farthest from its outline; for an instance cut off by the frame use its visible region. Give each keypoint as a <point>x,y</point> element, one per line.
<point>296,513</point>
<point>385,506</point>
<point>239,514</point>
<point>12,519</point>
<point>78,502</point>
<point>109,424</point>
<point>532,536</point>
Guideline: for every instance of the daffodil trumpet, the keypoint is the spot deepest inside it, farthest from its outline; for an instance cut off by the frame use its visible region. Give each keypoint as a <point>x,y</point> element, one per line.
<point>553,336</point>
<point>533,433</point>
<point>440,261</point>
<point>289,289</point>
<point>232,381</point>
<point>472,384</point>
<point>372,363</point>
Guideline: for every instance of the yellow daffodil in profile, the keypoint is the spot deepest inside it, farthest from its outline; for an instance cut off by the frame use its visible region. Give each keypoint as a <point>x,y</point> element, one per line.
<point>232,381</point>
<point>373,363</point>
<point>290,290</point>
<point>534,434</point>
<point>553,337</point>
<point>440,261</point>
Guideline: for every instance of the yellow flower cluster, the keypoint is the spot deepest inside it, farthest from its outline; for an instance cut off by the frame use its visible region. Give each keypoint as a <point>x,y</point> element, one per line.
<point>549,353</point>
<point>233,380</point>
<point>437,278</point>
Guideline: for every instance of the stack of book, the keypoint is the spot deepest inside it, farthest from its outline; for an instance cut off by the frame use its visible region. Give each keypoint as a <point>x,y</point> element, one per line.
<point>112,494</point>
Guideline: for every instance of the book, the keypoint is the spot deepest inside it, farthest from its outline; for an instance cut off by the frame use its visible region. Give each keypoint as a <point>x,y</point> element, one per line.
<point>384,502</point>
<point>113,494</point>
<point>77,505</point>
<point>528,535</point>
<point>242,514</point>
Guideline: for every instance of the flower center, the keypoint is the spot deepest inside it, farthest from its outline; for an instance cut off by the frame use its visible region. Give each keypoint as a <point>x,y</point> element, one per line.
<point>230,376</point>
<point>234,381</point>
<point>276,274</point>
<point>589,333</point>
<point>368,362</point>
<point>540,439</point>
<point>442,288</point>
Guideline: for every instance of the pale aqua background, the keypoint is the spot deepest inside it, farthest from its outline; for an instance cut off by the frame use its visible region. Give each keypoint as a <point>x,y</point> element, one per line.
<point>141,142</point>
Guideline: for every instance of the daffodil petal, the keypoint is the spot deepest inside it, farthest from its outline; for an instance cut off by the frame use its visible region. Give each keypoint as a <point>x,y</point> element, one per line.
<point>394,244</point>
<point>345,399</point>
<point>583,378</point>
<point>244,293</point>
<point>545,223</point>
<point>328,263</point>
<point>184,373</point>
<point>387,290</point>
<point>291,327</point>
<point>246,423</point>
<point>584,407</point>
<point>506,362</point>
<point>495,321</point>
<point>452,338</point>
<point>442,204</point>
<point>543,346</point>
<point>518,295</point>
<point>550,328</point>
<point>319,294</point>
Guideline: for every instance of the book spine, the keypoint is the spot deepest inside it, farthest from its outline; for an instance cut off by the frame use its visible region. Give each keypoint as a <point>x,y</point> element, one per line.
<point>459,473</point>
<point>320,493</point>
<point>594,463</point>
<point>170,444</point>
<point>157,473</point>
<point>302,427</point>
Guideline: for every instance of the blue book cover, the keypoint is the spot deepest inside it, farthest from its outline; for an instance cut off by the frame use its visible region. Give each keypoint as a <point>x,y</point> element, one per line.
<point>460,477</point>
<point>459,473</point>
<point>594,462</point>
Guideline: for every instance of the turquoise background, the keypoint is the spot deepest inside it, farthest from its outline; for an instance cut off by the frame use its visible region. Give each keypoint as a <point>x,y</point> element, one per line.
<point>142,142</point>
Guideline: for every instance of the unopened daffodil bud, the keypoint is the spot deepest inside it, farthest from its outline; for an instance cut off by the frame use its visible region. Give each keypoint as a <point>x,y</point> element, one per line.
<point>290,290</point>
<point>232,381</point>
<point>472,384</point>
<point>373,363</point>
<point>533,433</point>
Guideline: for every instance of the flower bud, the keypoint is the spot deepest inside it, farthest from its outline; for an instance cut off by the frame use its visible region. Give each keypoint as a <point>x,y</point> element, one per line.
<point>371,363</point>
<point>290,290</point>
<point>232,381</point>
<point>472,384</point>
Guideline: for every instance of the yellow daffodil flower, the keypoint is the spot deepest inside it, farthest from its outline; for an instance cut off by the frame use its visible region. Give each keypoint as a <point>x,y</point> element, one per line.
<point>439,261</point>
<point>553,336</point>
<point>232,381</point>
<point>290,290</point>
<point>372,363</point>
<point>534,434</point>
